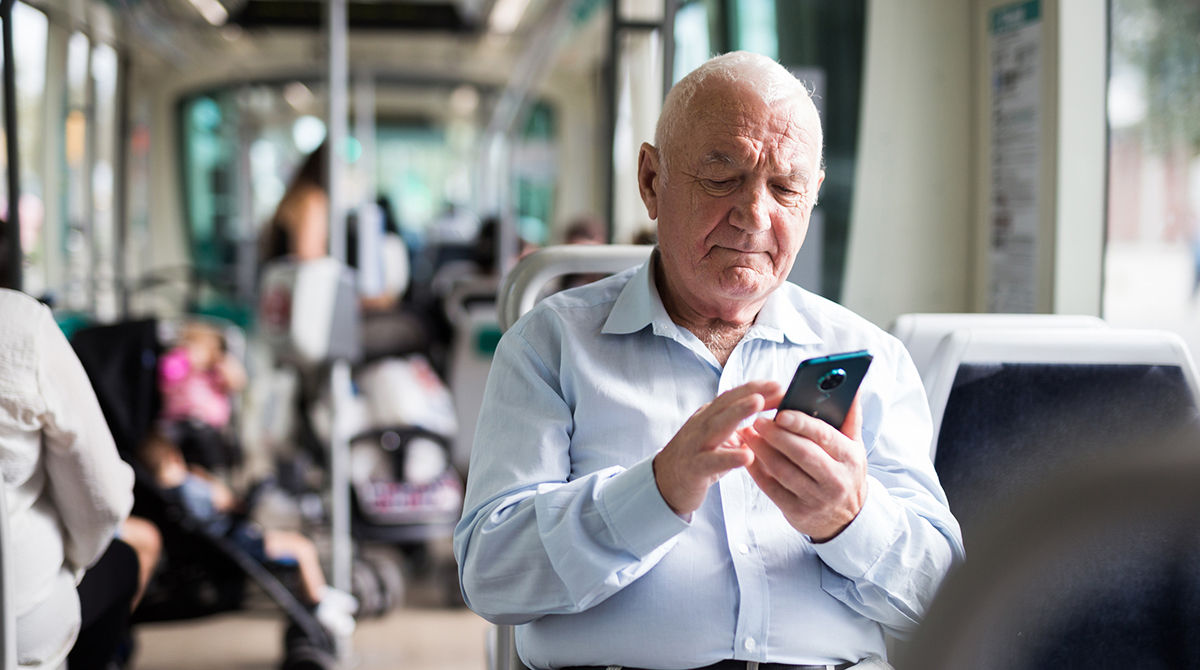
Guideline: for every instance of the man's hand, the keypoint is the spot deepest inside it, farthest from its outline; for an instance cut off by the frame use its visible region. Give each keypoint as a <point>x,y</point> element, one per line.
<point>709,445</point>
<point>814,473</point>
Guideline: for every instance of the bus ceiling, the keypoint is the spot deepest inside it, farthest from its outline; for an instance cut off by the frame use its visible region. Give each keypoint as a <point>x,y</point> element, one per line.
<point>419,16</point>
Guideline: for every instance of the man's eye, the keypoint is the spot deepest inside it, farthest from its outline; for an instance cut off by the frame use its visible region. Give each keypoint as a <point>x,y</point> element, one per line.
<point>721,183</point>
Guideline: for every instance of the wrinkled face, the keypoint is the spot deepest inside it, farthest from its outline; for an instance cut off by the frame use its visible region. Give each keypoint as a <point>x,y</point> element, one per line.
<point>743,179</point>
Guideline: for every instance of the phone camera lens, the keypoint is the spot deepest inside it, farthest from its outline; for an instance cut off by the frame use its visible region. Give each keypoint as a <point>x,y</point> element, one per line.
<point>831,380</point>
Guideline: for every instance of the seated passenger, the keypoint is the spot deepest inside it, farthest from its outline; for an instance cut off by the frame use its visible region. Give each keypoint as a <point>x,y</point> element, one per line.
<point>210,501</point>
<point>584,230</point>
<point>300,229</point>
<point>632,502</point>
<point>67,493</point>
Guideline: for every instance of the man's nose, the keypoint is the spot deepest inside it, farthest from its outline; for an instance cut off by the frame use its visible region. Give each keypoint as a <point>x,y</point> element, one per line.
<point>753,213</point>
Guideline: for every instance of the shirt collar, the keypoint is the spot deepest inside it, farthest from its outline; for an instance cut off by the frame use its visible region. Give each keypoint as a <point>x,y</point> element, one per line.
<point>779,319</point>
<point>639,305</point>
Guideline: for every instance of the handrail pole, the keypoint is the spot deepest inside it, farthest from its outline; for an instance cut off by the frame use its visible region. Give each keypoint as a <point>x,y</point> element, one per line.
<point>16,257</point>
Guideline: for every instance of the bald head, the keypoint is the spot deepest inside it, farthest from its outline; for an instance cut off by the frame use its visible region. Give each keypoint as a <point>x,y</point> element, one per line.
<point>744,72</point>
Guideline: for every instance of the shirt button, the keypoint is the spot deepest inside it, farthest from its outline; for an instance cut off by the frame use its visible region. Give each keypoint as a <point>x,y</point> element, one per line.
<point>744,549</point>
<point>750,644</point>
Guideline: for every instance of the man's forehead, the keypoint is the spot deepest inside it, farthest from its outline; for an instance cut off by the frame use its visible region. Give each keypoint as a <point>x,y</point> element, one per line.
<point>720,142</point>
<point>733,126</point>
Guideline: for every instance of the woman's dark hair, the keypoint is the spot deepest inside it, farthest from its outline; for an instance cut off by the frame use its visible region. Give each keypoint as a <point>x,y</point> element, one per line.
<point>314,169</point>
<point>273,241</point>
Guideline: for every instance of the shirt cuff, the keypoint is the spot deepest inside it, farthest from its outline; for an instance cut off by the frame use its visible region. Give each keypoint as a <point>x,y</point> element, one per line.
<point>862,543</point>
<point>636,511</point>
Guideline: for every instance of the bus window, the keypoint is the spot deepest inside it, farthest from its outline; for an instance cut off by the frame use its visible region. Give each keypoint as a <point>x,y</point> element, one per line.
<point>104,73</point>
<point>1152,254</point>
<point>29,49</point>
<point>534,170</point>
<point>425,147</point>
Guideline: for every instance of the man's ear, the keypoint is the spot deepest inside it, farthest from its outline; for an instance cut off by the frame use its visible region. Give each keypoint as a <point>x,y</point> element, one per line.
<point>648,167</point>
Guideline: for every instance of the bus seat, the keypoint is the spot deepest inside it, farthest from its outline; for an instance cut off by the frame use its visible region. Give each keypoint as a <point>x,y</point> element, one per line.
<point>309,311</point>
<point>524,282</point>
<point>518,294</point>
<point>1014,408</point>
<point>921,333</point>
<point>1021,413</point>
<point>1097,570</point>
<point>470,307</point>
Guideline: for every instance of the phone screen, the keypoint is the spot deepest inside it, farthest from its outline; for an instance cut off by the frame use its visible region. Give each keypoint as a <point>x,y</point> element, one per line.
<point>825,387</point>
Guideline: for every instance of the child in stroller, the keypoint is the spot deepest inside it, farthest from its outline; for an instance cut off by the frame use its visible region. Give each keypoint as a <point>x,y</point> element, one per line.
<point>196,378</point>
<point>207,499</point>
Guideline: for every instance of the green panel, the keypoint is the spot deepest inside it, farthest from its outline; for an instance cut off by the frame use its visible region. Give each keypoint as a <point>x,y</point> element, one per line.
<point>1015,16</point>
<point>487,338</point>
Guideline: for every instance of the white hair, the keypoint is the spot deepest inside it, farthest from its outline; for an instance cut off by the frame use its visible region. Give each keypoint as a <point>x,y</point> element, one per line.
<point>767,78</point>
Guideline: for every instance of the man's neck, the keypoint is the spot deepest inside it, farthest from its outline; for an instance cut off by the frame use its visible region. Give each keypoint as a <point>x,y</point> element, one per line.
<point>719,335</point>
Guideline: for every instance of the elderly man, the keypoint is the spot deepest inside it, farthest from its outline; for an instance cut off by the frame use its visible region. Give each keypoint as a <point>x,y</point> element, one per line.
<point>632,501</point>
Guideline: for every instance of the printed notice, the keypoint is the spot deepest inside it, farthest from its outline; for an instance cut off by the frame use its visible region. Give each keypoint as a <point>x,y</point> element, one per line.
<point>1016,117</point>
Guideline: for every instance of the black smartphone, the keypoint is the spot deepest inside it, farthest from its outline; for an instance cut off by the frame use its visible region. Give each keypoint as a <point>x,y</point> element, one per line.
<point>824,387</point>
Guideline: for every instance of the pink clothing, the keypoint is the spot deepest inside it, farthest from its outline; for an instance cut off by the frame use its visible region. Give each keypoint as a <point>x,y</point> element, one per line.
<point>192,394</point>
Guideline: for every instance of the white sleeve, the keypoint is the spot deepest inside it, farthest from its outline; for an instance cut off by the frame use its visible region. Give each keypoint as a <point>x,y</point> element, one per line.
<point>92,488</point>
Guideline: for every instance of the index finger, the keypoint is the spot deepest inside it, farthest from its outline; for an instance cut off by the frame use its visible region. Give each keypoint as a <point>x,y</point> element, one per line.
<point>769,390</point>
<point>724,413</point>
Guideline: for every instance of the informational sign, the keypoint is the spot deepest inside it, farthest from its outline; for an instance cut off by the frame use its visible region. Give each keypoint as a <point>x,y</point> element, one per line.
<point>1016,77</point>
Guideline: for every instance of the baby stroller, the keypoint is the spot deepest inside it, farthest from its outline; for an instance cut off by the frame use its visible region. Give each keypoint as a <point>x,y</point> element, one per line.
<point>200,573</point>
<point>396,420</point>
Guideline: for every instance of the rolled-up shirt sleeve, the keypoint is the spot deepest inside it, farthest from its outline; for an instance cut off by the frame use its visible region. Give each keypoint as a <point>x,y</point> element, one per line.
<point>92,488</point>
<point>533,540</point>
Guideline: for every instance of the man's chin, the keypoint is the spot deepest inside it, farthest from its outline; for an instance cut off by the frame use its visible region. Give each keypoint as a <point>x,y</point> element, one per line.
<point>740,283</point>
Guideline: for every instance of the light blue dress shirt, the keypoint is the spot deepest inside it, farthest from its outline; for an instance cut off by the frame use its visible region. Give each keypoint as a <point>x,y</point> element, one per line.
<point>565,532</point>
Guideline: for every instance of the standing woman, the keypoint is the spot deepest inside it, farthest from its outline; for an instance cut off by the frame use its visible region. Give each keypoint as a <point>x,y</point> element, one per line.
<point>300,227</point>
<point>67,492</point>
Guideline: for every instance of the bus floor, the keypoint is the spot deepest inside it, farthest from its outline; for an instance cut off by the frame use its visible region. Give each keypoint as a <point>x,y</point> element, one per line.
<point>409,638</point>
<point>424,634</point>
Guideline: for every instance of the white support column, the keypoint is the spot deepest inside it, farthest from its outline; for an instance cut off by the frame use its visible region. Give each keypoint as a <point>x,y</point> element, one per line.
<point>335,138</point>
<point>339,448</point>
<point>910,231</point>
<point>339,475</point>
<point>1082,156</point>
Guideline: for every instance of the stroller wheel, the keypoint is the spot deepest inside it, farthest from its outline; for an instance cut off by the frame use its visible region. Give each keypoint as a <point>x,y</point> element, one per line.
<point>306,657</point>
<point>368,589</point>
<point>295,640</point>
<point>391,579</point>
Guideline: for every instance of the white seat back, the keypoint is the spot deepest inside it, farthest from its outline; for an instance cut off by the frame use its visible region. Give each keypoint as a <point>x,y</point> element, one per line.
<point>524,283</point>
<point>308,311</point>
<point>1017,408</point>
<point>921,333</point>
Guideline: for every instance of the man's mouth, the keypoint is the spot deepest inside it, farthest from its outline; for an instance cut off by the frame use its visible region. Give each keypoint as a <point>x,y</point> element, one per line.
<point>741,251</point>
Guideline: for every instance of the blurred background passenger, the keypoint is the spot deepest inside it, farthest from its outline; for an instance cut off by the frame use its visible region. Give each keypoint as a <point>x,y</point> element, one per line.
<point>211,502</point>
<point>300,227</point>
<point>588,229</point>
<point>647,236</point>
<point>67,493</point>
